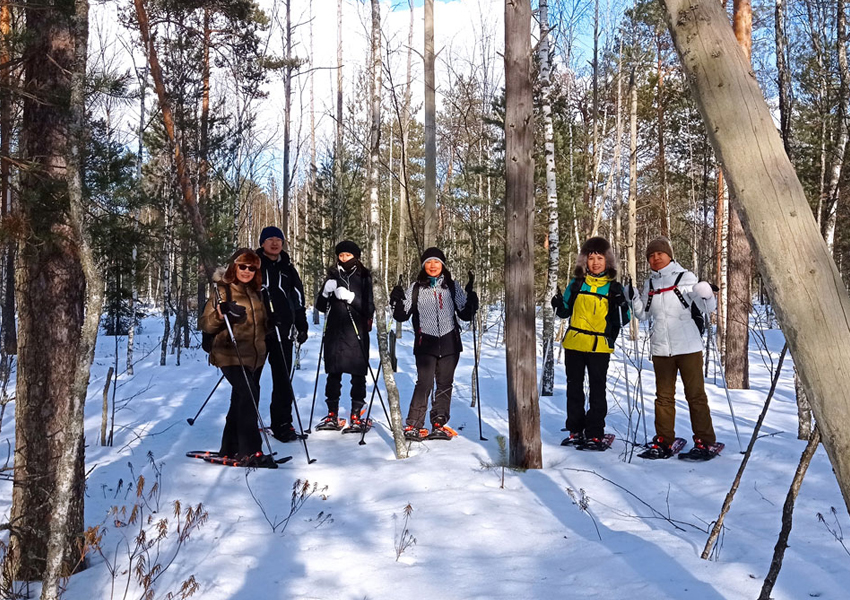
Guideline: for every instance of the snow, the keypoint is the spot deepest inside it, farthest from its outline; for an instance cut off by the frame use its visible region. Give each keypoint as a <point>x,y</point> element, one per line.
<point>641,536</point>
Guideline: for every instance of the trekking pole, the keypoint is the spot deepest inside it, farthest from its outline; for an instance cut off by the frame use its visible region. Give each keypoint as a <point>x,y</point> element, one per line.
<point>369,366</point>
<point>475,363</point>
<point>639,367</point>
<point>626,373</point>
<point>362,441</point>
<point>247,379</point>
<point>191,420</point>
<point>725,386</point>
<point>303,436</point>
<point>318,366</point>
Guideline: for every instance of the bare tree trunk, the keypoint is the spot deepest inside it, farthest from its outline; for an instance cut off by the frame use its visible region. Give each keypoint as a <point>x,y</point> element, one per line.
<point>548,384</point>
<point>404,126</point>
<point>9,331</point>
<point>832,192</point>
<point>374,237</point>
<point>662,161</point>
<point>737,361</point>
<point>337,220</point>
<point>787,242</point>
<point>788,514</point>
<point>63,545</point>
<point>631,244</point>
<point>430,131</point>
<point>804,409</point>
<point>520,335</point>
<point>287,118</point>
<point>784,76</point>
<point>721,224</point>
<point>51,292</point>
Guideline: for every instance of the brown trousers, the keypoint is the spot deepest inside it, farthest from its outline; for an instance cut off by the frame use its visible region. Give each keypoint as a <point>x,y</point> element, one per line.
<point>690,366</point>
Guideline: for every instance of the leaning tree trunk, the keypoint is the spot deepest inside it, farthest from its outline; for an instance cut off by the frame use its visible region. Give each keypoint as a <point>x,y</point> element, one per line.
<point>374,229</point>
<point>51,289</point>
<point>64,528</point>
<point>740,256</point>
<point>520,335</point>
<point>776,216</point>
<point>548,384</point>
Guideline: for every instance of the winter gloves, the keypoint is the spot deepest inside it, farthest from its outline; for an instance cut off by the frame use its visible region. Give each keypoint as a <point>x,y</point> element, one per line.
<point>397,295</point>
<point>330,288</point>
<point>630,291</point>
<point>302,336</point>
<point>703,290</point>
<point>342,293</point>
<point>558,304</point>
<point>233,311</point>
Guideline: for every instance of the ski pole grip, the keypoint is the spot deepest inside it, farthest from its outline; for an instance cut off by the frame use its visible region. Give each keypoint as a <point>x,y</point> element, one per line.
<point>470,282</point>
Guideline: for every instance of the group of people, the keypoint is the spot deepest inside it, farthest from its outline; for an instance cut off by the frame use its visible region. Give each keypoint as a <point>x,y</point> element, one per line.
<point>598,306</point>
<point>259,304</point>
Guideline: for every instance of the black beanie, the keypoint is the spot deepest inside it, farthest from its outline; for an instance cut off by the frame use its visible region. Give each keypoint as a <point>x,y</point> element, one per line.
<point>595,245</point>
<point>348,246</point>
<point>270,232</point>
<point>433,253</point>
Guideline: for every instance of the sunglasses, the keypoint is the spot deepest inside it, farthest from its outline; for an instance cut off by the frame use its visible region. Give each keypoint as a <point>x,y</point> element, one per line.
<point>243,267</point>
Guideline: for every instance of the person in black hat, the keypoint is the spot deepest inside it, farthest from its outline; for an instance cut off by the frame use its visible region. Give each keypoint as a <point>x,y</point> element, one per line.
<point>284,298</point>
<point>347,298</point>
<point>434,301</point>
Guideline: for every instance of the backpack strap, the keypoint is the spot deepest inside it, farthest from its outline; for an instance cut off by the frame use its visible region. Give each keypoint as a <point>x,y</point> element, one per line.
<point>673,288</point>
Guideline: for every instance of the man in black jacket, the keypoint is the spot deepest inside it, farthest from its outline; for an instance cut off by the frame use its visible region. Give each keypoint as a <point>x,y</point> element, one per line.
<point>284,297</point>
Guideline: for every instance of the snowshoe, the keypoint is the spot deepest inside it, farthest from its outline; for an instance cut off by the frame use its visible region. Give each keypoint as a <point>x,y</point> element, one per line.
<point>702,451</point>
<point>575,439</point>
<point>414,434</point>
<point>440,432</point>
<point>357,425</point>
<point>597,444</point>
<point>659,449</point>
<point>253,461</point>
<point>286,434</point>
<point>330,423</point>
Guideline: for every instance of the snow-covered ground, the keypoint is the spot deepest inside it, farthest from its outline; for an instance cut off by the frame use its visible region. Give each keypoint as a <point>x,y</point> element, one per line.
<point>640,536</point>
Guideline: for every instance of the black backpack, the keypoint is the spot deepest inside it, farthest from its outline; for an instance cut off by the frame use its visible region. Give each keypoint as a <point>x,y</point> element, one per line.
<point>207,338</point>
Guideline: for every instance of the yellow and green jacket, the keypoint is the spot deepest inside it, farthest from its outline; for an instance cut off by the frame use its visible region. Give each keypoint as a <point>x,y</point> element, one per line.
<point>594,327</point>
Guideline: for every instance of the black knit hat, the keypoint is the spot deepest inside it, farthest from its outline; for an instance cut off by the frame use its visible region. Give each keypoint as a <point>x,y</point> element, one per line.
<point>270,232</point>
<point>348,246</point>
<point>433,253</point>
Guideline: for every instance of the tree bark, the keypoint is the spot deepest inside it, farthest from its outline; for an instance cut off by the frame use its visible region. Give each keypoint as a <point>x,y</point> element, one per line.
<point>374,234</point>
<point>520,335</point>
<point>63,549</point>
<point>783,76</point>
<point>662,160</point>
<point>430,229</point>
<point>51,290</point>
<point>548,384</point>
<point>776,216</point>
<point>631,244</point>
<point>740,262</point>
<point>287,118</point>
<point>8,333</point>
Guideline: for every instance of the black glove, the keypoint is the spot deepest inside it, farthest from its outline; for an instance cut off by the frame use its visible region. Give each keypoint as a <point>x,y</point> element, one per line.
<point>472,301</point>
<point>302,336</point>
<point>397,295</point>
<point>468,288</point>
<point>630,291</point>
<point>232,310</point>
<point>558,300</point>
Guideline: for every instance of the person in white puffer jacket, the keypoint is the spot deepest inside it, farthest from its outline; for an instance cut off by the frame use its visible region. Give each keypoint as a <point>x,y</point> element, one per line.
<point>676,347</point>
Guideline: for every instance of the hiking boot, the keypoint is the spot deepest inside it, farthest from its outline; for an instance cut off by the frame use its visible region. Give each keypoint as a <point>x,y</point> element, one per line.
<point>594,443</point>
<point>356,424</point>
<point>258,460</point>
<point>658,448</point>
<point>575,439</point>
<point>329,423</point>
<point>701,451</point>
<point>438,433</point>
<point>285,434</point>
<point>412,434</point>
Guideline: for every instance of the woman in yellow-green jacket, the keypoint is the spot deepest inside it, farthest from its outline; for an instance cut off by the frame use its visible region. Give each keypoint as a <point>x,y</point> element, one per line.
<point>597,308</point>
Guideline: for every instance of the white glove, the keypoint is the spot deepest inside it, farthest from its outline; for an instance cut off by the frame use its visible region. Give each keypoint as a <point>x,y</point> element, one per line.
<point>344,294</point>
<point>330,286</point>
<point>703,290</point>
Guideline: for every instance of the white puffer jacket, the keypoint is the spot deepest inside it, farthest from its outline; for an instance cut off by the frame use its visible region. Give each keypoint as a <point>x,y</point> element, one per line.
<point>673,330</point>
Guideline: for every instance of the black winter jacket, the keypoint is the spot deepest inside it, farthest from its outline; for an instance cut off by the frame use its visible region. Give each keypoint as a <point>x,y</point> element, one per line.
<point>284,294</point>
<point>343,353</point>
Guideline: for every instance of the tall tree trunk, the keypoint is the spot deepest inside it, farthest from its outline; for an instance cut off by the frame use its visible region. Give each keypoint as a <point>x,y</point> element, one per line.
<point>786,240</point>
<point>404,126</point>
<point>430,131</point>
<point>740,255</point>
<point>520,335</point>
<point>548,384</point>
<point>287,118</point>
<point>337,220</point>
<point>783,76</point>
<point>662,160</point>
<point>832,191</point>
<point>51,290</point>
<point>7,319</point>
<point>65,528</point>
<point>721,227</point>
<point>186,188</point>
<point>631,244</point>
<point>374,229</point>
